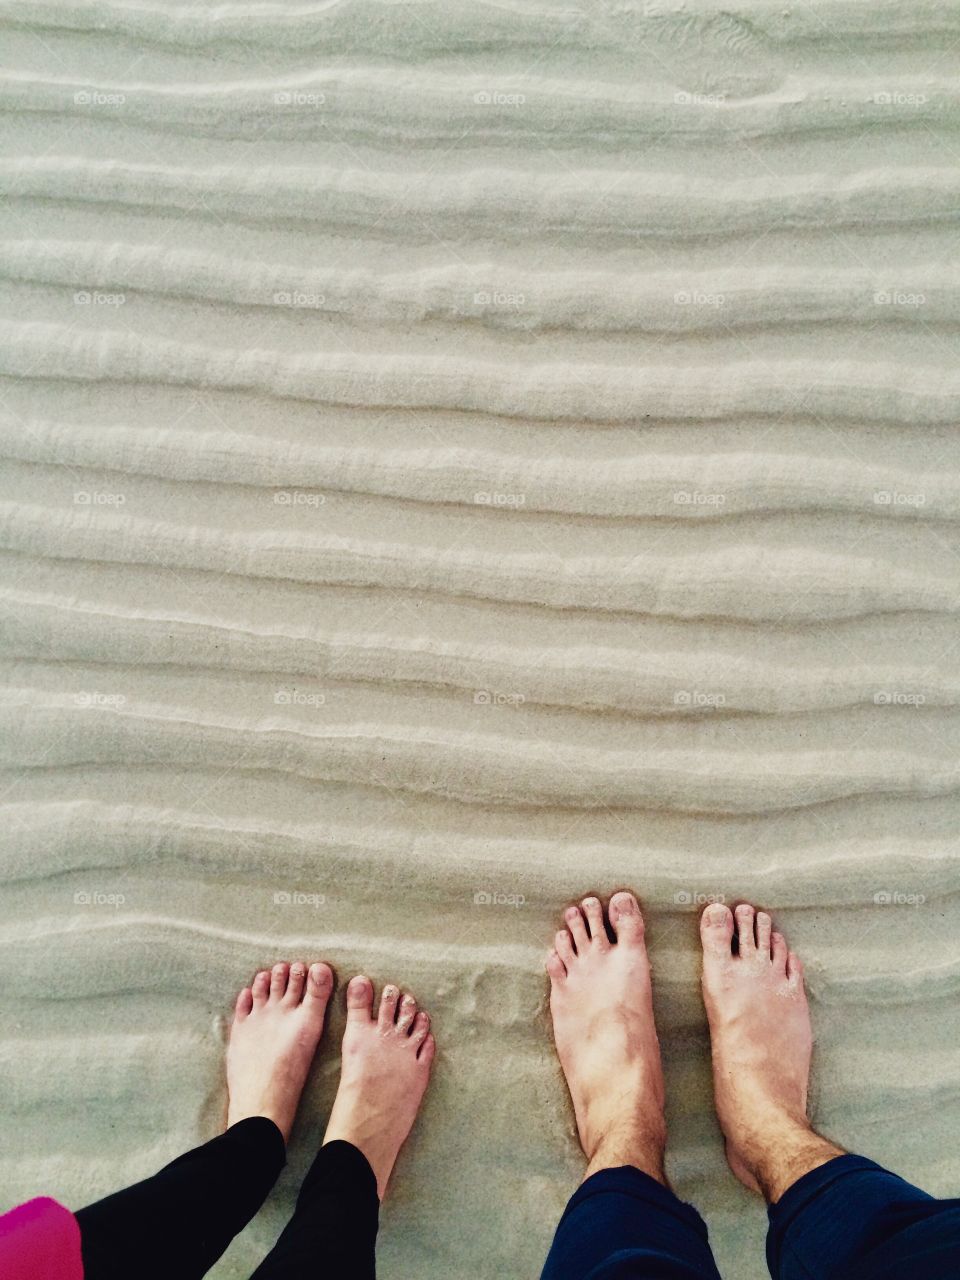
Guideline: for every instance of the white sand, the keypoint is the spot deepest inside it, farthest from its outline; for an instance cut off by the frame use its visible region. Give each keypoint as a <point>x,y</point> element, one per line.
<point>520,459</point>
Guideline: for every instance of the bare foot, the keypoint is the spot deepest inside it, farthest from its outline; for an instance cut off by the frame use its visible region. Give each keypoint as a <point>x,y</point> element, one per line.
<point>761,1041</point>
<point>383,1077</point>
<point>602,1008</point>
<point>276,1029</point>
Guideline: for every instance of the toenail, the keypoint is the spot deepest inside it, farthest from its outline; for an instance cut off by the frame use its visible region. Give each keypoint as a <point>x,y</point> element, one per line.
<point>715,913</point>
<point>572,913</point>
<point>591,902</point>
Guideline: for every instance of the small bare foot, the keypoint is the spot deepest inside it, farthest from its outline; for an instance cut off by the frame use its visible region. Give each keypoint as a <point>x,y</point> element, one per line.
<point>276,1029</point>
<point>761,1042</point>
<point>383,1076</point>
<point>602,1007</point>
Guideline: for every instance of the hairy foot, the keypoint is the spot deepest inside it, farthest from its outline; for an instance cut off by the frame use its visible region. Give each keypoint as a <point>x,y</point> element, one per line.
<point>761,1042</point>
<point>602,1007</point>
<point>386,1066</point>
<point>276,1029</point>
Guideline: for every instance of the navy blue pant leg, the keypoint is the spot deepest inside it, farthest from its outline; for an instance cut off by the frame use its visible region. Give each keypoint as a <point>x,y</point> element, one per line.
<point>621,1224</point>
<point>852,1220</point>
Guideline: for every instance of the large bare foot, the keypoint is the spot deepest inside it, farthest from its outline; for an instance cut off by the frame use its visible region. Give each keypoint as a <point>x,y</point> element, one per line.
<point>276,1029</point>
<point>602,1008</point>
<point>761,1042</point>
<point>383,1077</point>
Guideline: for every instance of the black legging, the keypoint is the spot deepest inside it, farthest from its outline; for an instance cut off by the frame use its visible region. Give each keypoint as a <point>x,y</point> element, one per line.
<point>175,1225</point>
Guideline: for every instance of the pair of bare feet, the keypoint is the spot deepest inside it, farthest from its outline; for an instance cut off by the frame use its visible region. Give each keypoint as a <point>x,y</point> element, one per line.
<point>386,1059</point>
<point>602,1006</point>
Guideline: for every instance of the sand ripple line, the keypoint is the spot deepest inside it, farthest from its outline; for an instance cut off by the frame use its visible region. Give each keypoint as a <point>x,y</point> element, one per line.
<point>588,203</point>
<point>850,389</point>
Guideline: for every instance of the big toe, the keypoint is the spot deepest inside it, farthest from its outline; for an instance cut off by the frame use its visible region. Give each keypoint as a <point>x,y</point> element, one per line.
<point>716,931</point>
<point>359,998</point>
<point>319,986</point>
<point>626,917</point>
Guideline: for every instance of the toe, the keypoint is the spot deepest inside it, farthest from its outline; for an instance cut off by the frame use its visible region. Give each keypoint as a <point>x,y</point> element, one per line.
<point>764,930</point>
<point>421,1025</point>
<point>359,999</point>
<point>244,1004</point>
<point>625,917</point>
<point>716,930</point>
<point>592,908</point>
<point>778,946</point>
<point>555,967</point>
<point>278,980</point>
<point>387,1017</point>
<point>408,1011</point>
<point>319,984</point>
<point>745,936</point>
<point>564,945</point>
<point>794,970</point>
<point>261,987</point>
<point>295,983</point>
<point>427,1050</point>
<point>578,928</point>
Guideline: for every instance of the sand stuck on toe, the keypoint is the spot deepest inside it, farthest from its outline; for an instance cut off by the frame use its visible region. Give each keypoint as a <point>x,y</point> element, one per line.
<point>458,456</point>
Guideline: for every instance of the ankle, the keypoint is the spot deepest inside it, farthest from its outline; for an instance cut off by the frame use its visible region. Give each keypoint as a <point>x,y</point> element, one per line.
<point>641,1149</point>
<point>786,1153</point>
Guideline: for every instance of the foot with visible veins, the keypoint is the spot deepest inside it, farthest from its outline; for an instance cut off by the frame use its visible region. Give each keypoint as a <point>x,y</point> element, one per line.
<point>601,1002</point>
<point>761,1041</point>
<point>386,1064</point>
<point>277,1026</point>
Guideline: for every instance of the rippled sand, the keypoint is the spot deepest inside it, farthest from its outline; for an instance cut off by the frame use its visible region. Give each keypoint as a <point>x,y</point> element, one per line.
<point>457,456</point>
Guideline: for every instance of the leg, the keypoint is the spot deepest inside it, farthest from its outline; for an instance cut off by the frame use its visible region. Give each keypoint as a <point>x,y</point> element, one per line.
<point>180,1221</point>
<point>624,1222</point>
<point>832,1215</point>
<point>386,1067</point>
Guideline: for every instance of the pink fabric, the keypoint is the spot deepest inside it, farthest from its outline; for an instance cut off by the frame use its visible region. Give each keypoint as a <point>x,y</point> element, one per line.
<point>40,1240</point>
